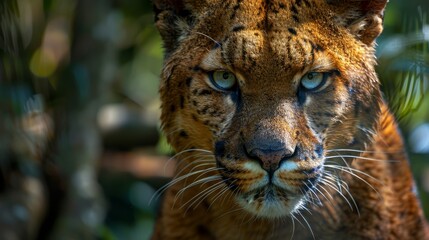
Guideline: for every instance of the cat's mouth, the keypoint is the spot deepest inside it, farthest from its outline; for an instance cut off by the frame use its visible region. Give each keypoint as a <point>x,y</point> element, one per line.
<point>271,196</point>
<point>270,201</point>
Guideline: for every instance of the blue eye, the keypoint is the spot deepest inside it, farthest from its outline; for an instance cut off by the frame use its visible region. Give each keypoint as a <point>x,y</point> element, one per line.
<point>223,80</point>
<point>313,80</point>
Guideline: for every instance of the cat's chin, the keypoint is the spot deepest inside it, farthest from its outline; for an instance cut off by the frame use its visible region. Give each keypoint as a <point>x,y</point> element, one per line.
<point>269,202</point>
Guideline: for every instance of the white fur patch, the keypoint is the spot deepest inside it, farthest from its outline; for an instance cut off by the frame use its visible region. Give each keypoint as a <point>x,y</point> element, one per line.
<point>270,209</point>
<point>288,166</point>
<point>253,166</point>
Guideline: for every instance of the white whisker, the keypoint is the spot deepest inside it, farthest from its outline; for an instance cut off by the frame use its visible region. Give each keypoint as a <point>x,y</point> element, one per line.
<point>229,212</point>
<point>309,227</point>
<point>363,151</point>
<point>207,36</point>
<point>328,183</point>
<point>362,158</point>
<point>202,195</point>
<point>350,171</point>
<point>176,180</point>
<point>293,226</point>
<point>197,182</point>
<point>221,193</point>
<point>346,189</point>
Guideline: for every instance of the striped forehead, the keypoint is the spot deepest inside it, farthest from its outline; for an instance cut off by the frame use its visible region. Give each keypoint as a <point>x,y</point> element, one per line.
<point>248,49</point>
<point>272,38</point>
<point>268,15</point>
<point>264,31</point>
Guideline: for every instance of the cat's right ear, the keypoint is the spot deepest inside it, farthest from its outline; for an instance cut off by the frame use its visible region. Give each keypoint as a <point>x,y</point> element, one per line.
<point>363,18</point>
<point>174,21</point>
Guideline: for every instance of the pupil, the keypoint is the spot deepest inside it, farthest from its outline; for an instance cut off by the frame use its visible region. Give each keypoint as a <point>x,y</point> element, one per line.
<point>225,75</point>
<point>310,76</point>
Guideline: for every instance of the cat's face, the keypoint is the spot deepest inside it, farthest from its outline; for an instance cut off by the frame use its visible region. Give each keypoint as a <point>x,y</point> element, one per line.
<point>272,90</point>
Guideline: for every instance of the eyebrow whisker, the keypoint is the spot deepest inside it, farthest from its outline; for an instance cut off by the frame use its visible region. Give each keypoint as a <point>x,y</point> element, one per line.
<point>207,36</point>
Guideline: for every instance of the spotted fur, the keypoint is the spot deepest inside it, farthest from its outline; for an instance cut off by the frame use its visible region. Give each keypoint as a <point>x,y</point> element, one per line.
<point>270,159</point>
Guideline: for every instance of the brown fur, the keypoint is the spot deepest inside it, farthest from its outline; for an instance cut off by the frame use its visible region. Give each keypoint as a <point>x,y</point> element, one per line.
<point>221,190</point>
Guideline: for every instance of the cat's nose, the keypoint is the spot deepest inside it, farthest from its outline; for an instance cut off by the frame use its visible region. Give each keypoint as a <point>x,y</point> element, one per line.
<point>271,154</point>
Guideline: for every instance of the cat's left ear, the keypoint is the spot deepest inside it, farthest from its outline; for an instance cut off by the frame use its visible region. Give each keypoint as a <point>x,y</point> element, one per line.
<point>363,18</point>
<point>173,18</point>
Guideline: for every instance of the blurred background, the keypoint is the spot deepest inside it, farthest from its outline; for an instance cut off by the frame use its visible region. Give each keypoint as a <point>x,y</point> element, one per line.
<point>81,154</point>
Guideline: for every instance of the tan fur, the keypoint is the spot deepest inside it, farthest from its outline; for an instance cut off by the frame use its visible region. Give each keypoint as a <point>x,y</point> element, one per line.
<point>348,176</point>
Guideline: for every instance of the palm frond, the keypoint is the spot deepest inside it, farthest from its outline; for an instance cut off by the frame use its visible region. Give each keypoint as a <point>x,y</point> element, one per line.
<point>405,66</point>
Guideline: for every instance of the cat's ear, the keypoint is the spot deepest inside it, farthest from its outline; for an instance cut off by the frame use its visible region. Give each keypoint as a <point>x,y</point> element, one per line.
<point>363,18</point>
<point>174,19</point>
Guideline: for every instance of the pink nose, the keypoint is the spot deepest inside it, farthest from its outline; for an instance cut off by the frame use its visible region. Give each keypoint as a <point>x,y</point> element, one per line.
<point>270,158</point>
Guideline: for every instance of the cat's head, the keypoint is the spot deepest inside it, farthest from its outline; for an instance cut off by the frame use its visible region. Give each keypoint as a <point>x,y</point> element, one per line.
<point>271,88</point>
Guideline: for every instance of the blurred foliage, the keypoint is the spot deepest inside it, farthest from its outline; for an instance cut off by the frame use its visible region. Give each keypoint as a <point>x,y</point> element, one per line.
<point>403,56</point>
